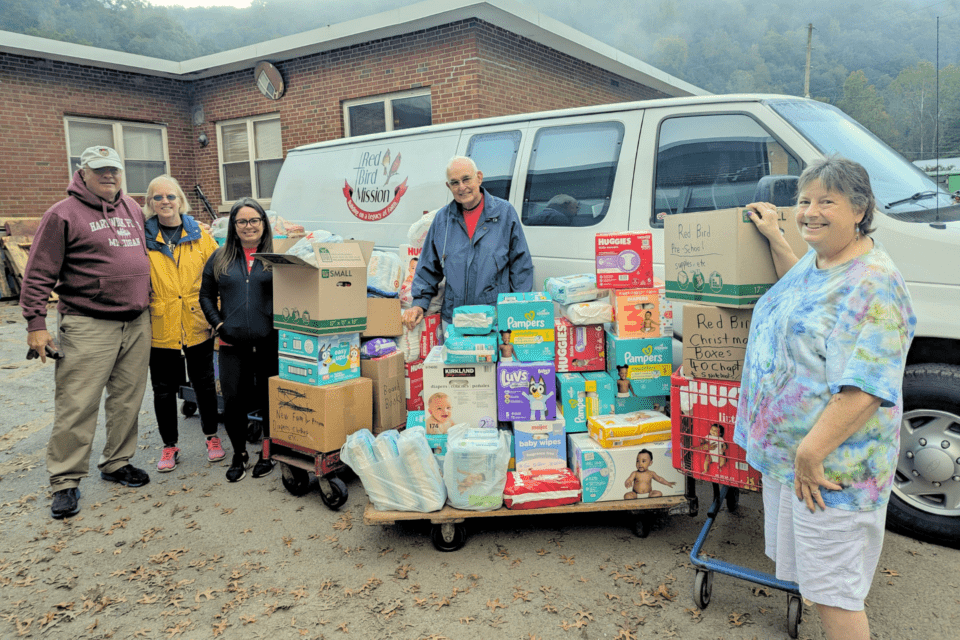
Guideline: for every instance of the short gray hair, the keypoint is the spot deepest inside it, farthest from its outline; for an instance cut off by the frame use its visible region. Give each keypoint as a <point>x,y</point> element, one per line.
<point>456,159</point>
<point>846,177</point>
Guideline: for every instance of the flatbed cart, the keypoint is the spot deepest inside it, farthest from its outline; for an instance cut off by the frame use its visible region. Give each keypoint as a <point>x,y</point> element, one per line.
<point>297,463</point>
<point>450,534</point>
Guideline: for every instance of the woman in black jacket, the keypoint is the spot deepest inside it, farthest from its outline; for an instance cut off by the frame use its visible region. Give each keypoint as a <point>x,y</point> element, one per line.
<point>243,320</point>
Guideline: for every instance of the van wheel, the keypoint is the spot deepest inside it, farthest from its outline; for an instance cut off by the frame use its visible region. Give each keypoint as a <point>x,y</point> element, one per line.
<point>925,502</point>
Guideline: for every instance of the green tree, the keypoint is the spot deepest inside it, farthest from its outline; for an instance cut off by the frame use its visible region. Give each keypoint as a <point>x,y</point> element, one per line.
<point>863,103</point>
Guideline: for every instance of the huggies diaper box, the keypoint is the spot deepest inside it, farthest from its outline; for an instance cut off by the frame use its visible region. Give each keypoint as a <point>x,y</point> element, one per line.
<point>459,393</point>
<point>539,446</point>
<point>335,358</point>
<point>579,348</point>
<point>628,429</point>
<point>526,391</point>
<point>641,366</point>
<point>526,325</point>
<point>624,259</point>
<point>626,473</point>
<point>413,378</point>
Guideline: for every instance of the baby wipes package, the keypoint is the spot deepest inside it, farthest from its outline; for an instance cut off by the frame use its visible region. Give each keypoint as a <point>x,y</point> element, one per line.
<point>526,391</point>
<point>475,467</point>
<point>628,429</point>
<point>383,274</point>
<point>587,313</point>
<point>459,348</point>
<point>475,319</point>
<point>539,446</point>
<point>577,288</point>
<point>627,473</point>
<point>526,325</point>
<point>318,360</point>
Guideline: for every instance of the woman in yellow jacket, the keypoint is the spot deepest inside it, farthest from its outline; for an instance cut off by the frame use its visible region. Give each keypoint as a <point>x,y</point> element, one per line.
<point>178,249</point>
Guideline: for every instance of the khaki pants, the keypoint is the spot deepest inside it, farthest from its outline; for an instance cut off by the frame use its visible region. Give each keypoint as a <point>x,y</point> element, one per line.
<point>98,355</point>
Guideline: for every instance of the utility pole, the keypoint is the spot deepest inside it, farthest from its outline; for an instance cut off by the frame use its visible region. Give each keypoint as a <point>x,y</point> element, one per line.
<point>806,77</point>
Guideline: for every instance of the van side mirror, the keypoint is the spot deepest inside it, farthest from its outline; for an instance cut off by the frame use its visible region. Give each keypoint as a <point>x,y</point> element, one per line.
<point>778,190</point>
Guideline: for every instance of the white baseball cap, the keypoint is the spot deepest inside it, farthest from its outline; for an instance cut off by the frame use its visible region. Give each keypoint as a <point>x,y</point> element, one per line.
<point>97,157</point>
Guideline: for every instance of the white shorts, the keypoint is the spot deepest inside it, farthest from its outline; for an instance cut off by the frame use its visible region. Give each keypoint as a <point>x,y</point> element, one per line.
<point>832,554</point>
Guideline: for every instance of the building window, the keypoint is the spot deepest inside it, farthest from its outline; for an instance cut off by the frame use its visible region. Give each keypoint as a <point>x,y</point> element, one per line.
<point>251,153</point>
<point>387,113</point>
<point>142,147</point>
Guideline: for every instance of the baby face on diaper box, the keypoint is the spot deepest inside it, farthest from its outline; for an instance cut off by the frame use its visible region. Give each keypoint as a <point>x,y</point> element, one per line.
<point>641,366</point>
<point>627,473</point>
<point>526,325</point>
<point>458,393</point>
<point>526,391</point>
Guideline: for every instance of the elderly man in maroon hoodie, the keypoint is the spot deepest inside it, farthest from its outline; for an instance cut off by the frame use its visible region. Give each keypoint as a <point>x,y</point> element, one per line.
<point>90,249</point>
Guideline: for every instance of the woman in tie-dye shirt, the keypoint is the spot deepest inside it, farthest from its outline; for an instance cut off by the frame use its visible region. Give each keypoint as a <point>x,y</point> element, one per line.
<point>820,399</point>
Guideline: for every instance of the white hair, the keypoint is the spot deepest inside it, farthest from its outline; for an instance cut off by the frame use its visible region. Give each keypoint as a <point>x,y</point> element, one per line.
<point>456,159</point>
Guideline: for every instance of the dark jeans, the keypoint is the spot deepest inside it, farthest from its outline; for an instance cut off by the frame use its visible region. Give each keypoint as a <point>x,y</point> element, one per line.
<point>244,372</point>
<point>166,376</point>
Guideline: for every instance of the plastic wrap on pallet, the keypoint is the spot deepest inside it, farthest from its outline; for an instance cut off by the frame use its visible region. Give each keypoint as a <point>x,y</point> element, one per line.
<point>475,467</point>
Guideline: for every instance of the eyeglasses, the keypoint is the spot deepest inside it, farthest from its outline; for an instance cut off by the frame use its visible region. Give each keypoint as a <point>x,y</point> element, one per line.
<point>251,222</point>
<point>170,196</point>
<point>465,181</point>
<point>105,170</point>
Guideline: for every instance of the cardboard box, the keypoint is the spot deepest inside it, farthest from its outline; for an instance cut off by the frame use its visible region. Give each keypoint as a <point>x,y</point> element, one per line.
<point>319,360</point>
<point>641,313</point>
<point>628,429</point>
<point>331,298</point>
<point>413,381</point>
<point>319,418</point>
<point>525,320</point>
<point>389,390</point>
<point>526,391</point>
<point>715,341</point>
<point>720,257</point>
<point>624,259</point>
<point>539,445</point>
<point>459,393</point>
<point>608,474</point>
<point>645,362</point>
<point>579,348</point>
<point>383,318</point>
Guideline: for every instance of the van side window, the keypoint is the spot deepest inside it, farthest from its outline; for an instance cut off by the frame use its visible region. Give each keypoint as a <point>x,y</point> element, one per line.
<point>496,156</point>
<point>571,174</point>
<point>714,162</point>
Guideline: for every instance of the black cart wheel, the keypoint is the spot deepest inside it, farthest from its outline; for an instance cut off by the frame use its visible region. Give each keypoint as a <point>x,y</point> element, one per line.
<point>642,526</point>
<point>733,499</point>
<point>188,409</point>
<point>702,585</point>
<point>448,536</point>
<point>296,481</point>
<point>333,492</point>
<point>794,615</point>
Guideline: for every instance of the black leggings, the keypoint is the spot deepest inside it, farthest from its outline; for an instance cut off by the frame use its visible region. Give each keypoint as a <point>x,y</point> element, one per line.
<point>244,372</point>
<point>166,376</point>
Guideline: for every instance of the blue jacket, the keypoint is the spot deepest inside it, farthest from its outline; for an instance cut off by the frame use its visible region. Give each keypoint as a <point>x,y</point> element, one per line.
<point>496,261</point>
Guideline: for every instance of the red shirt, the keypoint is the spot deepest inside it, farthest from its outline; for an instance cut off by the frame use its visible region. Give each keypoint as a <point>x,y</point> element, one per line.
<point>472,217</point>
<point>248,252</point>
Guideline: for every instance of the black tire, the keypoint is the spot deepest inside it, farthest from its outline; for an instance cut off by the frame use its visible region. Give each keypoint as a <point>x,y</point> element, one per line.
<point>702,586</point>
<point>188,409</point>
<point>925,502</point>
<point>642,526</point>
<point>794,615</point>
<point>457,534</point>
<point>733,499</point>
<point>254,431</point>
<point>296,481</point>
<point>336,497</point>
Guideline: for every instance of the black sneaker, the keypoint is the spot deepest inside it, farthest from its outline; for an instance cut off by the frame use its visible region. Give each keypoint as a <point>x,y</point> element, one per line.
<point>238,467</point>
<point>127,475</point>
<point>65,503</point>
<point>263,467</point>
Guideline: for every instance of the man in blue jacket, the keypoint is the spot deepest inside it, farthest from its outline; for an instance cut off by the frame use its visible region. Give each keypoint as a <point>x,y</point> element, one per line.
<point>476,242</point>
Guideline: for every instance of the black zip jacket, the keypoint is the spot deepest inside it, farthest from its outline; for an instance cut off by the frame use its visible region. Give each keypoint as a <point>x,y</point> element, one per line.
<point>246,301</point>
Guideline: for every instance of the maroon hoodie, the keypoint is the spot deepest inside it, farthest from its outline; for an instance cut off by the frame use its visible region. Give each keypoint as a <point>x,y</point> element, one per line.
<point>93,254</point>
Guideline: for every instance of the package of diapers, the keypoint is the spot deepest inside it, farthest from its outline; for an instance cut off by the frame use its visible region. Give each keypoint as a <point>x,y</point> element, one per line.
<point>383,274</point>
<point>418,230</point>
<point>475,319</point>
<point>467,349</point>
<point>579,288</point>
<point>475,467</point>
<point>398,470</point>
<point>533,491</point>
<point>303,249</point>
<point>584,313</point>
<point>376,347</point>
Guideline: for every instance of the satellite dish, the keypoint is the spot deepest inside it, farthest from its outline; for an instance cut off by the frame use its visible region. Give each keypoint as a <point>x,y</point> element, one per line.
<point>269,81</point>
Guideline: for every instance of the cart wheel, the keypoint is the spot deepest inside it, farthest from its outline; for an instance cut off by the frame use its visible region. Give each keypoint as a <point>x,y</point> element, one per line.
<point>254,431</point>
<point>188,409</point>
<point>641,526</point>
<point>794,615</point>
<point>733,499</point>
<point>448,536</point>
<point>296,481</point>
<point>702,585</point>
<point>336,497</point>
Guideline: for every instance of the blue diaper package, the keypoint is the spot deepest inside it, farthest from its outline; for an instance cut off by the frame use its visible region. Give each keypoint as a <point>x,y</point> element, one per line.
<point>475,467</point>
<point>475,319</point>
<point>577,288</point>
<point>376,347</point>
<point>460,348</point>
<point>526,325</point>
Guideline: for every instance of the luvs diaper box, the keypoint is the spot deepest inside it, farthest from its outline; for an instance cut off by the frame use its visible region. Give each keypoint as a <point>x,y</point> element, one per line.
<point>579,348</point>
<point>318,360</point>
<point>539,446</point>
<point>641,366</point>
<point>458,393</point>
<point>625,473</point>
<point>526,325</point>
<point>624,259</point>
<point>526,391</point>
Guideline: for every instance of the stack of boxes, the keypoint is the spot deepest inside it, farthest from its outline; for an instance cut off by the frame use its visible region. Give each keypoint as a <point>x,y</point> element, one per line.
<point>415,345</point>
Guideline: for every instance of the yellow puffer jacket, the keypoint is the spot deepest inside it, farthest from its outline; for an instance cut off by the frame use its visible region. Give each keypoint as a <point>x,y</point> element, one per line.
<point>175,277</point>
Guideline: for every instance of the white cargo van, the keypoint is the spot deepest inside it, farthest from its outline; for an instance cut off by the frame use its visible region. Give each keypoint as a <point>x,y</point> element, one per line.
<point>630,165</point>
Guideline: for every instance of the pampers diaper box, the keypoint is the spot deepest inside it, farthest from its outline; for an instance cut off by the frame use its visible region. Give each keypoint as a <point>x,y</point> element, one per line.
<point>539,446</point>
<point>581,395</point>
<point>526,322</point>
<point>624,259</point>
<point>625,473</point>
<point>319,360</point>
<point>579,348</point>
<point>641,313</point>
<point>640,366</point>
<point>459,393</point>
<point>526,391</point>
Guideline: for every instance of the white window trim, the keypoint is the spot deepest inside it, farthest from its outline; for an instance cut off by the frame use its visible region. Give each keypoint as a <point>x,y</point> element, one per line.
<point>251,160</point>
<point>387,100</point>
<point>118,135</point>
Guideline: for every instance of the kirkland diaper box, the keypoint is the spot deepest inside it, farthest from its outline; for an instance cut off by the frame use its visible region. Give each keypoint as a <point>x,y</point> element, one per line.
<point>626,473</point>
<point>526,323</point>
<point>319,418</point>
<point>624,259</point>
<point>719,257</point>
<point>413,379</point>
<point>641,313</point>
<point>641,366</point>
<point>389,390</point>
<point>459,393</point>
<point>526,391</point>
<point>579,348</point>
<point>318,360</point>
<point>583,395</point>
<point>715,341</point>
<point>539,445</point>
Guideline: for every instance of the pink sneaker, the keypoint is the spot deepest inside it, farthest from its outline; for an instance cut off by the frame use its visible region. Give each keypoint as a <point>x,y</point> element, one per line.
<point>215,450</point>
<point>168,459</point>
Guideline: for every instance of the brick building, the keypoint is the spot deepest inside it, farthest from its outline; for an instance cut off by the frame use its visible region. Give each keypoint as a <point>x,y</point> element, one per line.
<point>207,122</point>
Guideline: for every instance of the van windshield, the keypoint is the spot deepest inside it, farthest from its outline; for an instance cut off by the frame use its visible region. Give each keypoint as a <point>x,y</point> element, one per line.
<point>896,183</point>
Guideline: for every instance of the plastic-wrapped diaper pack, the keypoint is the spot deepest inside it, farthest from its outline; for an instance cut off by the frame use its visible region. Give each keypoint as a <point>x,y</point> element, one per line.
<point>459,348</point>
<point>475,467</point>
<point>582,313</point>
<point>397,469</point>
<point>475,319</point>
<point>418,230</point>
<point>304,247</point>
<point>376,347</point>
<point>409,342</point>
<point>383,274</point>
<point>577,288</point>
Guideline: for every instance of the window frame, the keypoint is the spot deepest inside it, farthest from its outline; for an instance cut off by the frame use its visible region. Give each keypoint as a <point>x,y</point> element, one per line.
<point>250,122</point>
<point>117,127</point>
<point>387,100</point>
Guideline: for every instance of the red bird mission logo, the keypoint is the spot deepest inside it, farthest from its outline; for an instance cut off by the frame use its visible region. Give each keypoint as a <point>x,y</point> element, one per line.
<point>371,198</point>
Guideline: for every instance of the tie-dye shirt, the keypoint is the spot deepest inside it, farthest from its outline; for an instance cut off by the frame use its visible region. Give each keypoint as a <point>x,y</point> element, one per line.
<point>814,332</point>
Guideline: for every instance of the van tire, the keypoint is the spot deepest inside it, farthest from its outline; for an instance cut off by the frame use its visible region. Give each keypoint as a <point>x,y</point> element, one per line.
<point>931,418</point>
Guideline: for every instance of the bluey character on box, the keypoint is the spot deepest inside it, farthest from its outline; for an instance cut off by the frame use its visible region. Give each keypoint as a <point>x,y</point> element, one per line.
<point>537,398</point>
<point>640,482</point>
